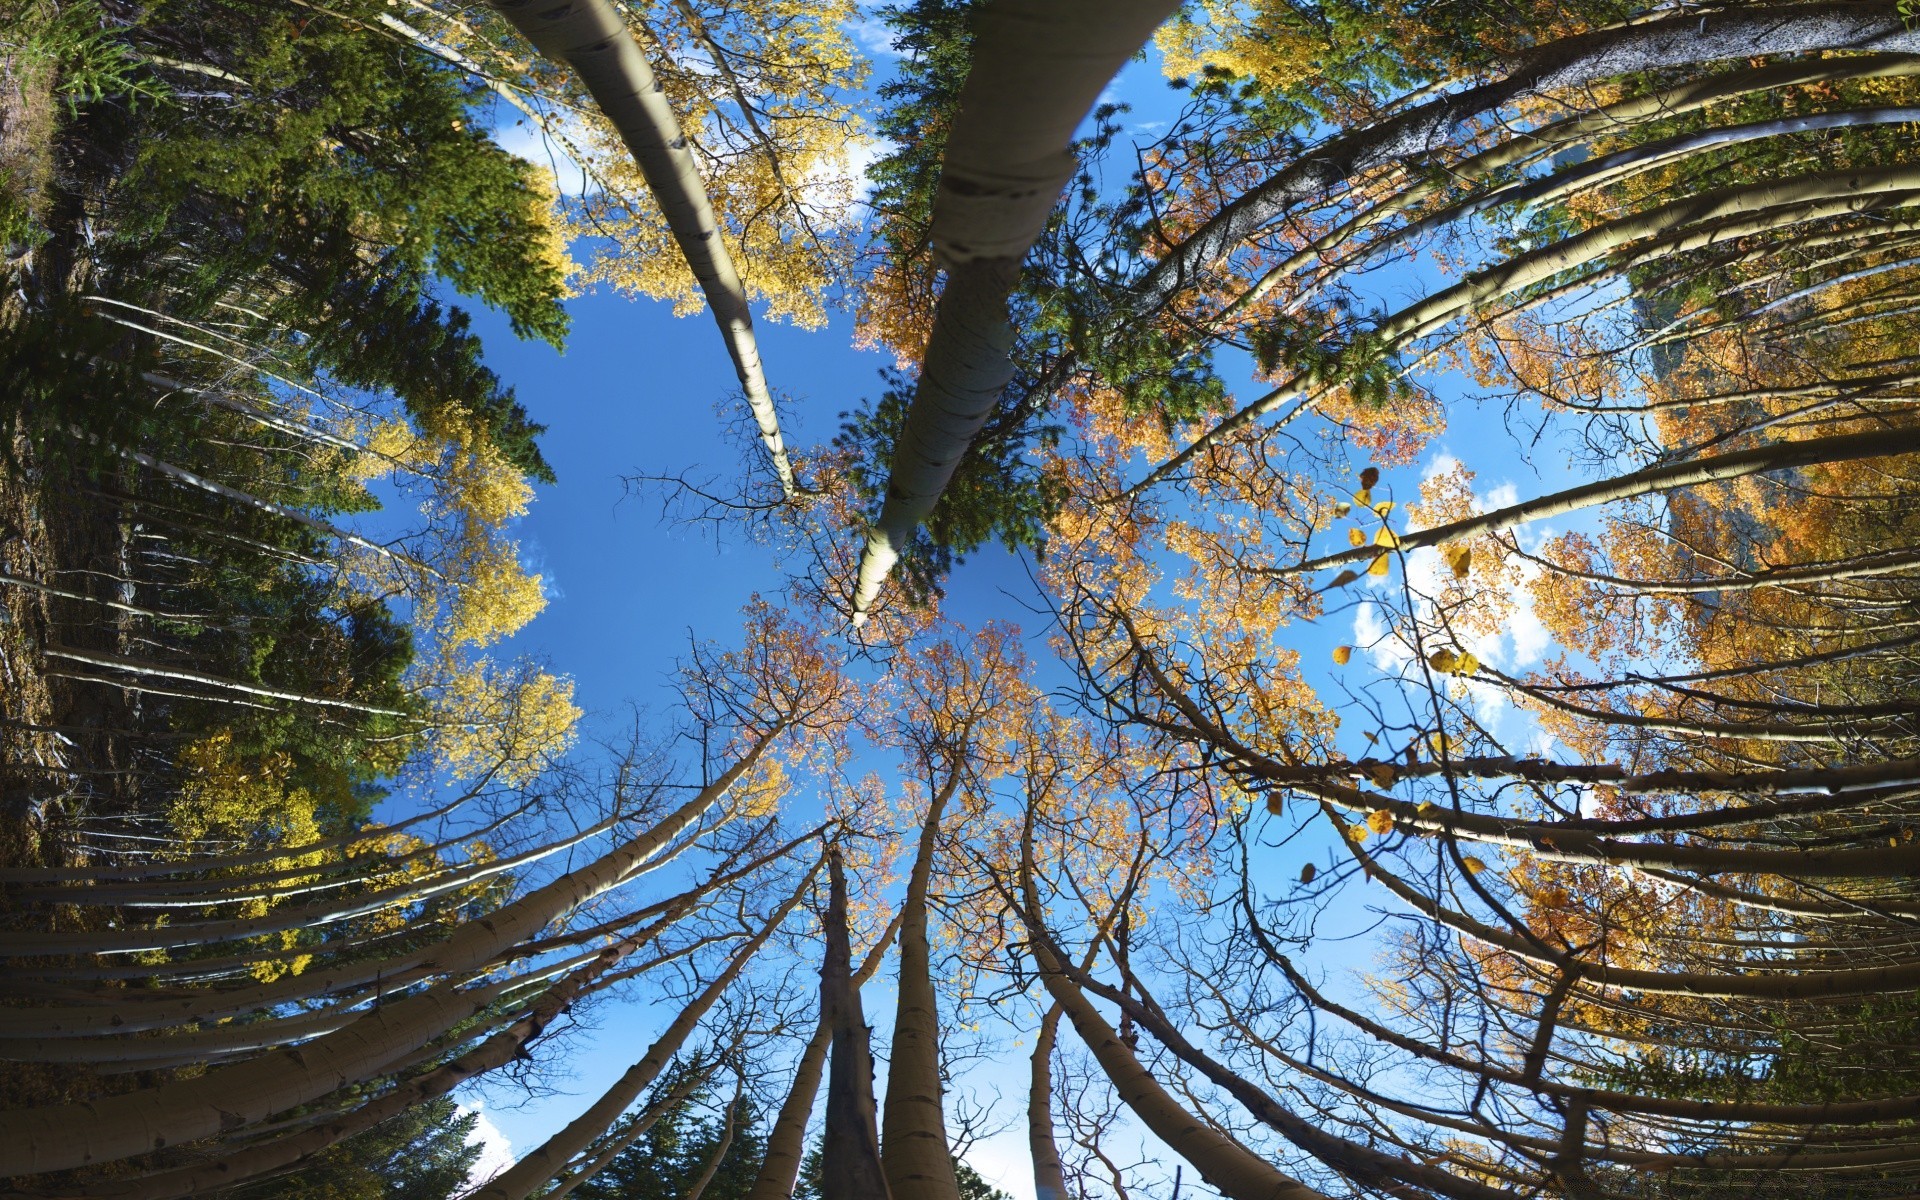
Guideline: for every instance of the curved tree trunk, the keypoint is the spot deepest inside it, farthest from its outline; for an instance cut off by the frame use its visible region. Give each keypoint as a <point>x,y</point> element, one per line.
<point>1683,40</point>
<point>591,37</point>
<point>523,1178</point>
<point>913,1143</point>
<point>786,1141</point>
<point>1038,66</point>
<point>1049,1181</point>
<point>850,1148</point>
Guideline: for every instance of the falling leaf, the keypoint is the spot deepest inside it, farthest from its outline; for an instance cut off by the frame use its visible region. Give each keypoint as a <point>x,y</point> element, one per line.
<point>1443,659</point>
<point>1308,872</point>
<point>1371,737</point>
<point>1426,806</point>
<point>1440,742</point>
<point>1342,654</point>
<point>1363,497</point>
<point>1275,804</point>
<point>1474,865</point>
<point>1380,820</point>
<point>1342,508</point>
<point>1381,564</point>
<point>1382,774</point>
<point>1358,833</point>
<point>1369,477</point>
<point>1466,664</point>
<point>1383,508</point>
<point>1386,537</point>
<point>1460,558</point>
<point>1344,578</point>
<point>1356,538</point>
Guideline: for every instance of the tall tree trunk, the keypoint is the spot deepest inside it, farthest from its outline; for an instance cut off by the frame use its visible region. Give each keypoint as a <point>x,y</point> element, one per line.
<point>1038,66</point>
<point>523,1178</point>
<point>913,1143</point>
<point>591,37</point>
<point>786,1141</point>
<point>1049,1181</point>
<point>850,1149</point>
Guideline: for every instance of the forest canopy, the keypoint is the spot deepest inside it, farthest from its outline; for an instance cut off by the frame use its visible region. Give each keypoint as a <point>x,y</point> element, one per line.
<point>1363,642</point>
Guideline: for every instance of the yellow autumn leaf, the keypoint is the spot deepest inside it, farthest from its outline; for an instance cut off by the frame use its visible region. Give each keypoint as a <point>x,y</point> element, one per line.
<point>1442,659</point>
<point>1275,805</point>
<point>1383,508</point>
<point>1474,865</point>
<point>1342,654</point>
<point>1440,742</point>
<point>1459,558</point>
<point>1363,497</point>
<point>1341,508</point>
<point>1555,897</point>
<point>1380,820</point>
<point>1466,664</point>
<point>1382,563</point>
<point>1382,774</point>
<point>1386,537</point>
<point>1356,538</point>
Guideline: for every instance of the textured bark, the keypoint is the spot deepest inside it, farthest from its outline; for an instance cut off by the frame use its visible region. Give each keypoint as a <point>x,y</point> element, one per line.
<point>850,1147</point>
<point>304,916</point>
<point>1738,464</point>
<point>227,1098</point>
<point>1038,66</point>
<point>1049,1181</point>
<point>592,38</point>
<point>1685,225</point>
<point>472,945</point>
<point>276,1154</point>
<point>913,1143</point>
<point>1418,133</point>
<point>786,1140</point>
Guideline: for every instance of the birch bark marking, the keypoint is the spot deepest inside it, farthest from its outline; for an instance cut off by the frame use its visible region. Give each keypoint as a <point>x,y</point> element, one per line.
<point>1038,66</point>
<point>1049,1180</point>
<point>786,1141</point>
<point>850,1147</point>
<point>914,1143</point>
<point>1572,62</point>
<point>590,37</point>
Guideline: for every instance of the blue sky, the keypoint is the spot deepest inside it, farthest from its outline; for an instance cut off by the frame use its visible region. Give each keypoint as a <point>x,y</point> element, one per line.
<point>638,391</point>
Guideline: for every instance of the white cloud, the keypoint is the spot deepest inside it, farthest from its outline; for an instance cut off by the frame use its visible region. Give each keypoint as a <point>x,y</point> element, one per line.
<point>496,1152</point>
<point>524,139</point>
<point>874,35</point>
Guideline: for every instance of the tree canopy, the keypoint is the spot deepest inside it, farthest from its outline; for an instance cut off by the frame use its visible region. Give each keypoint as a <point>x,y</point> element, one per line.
<point>1460,738</point>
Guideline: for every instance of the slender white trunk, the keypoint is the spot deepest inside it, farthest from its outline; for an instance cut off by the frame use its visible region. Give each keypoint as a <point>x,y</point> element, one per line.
<point>1038,66</point>
<point>913,1144</point>
<point>592,38</point>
